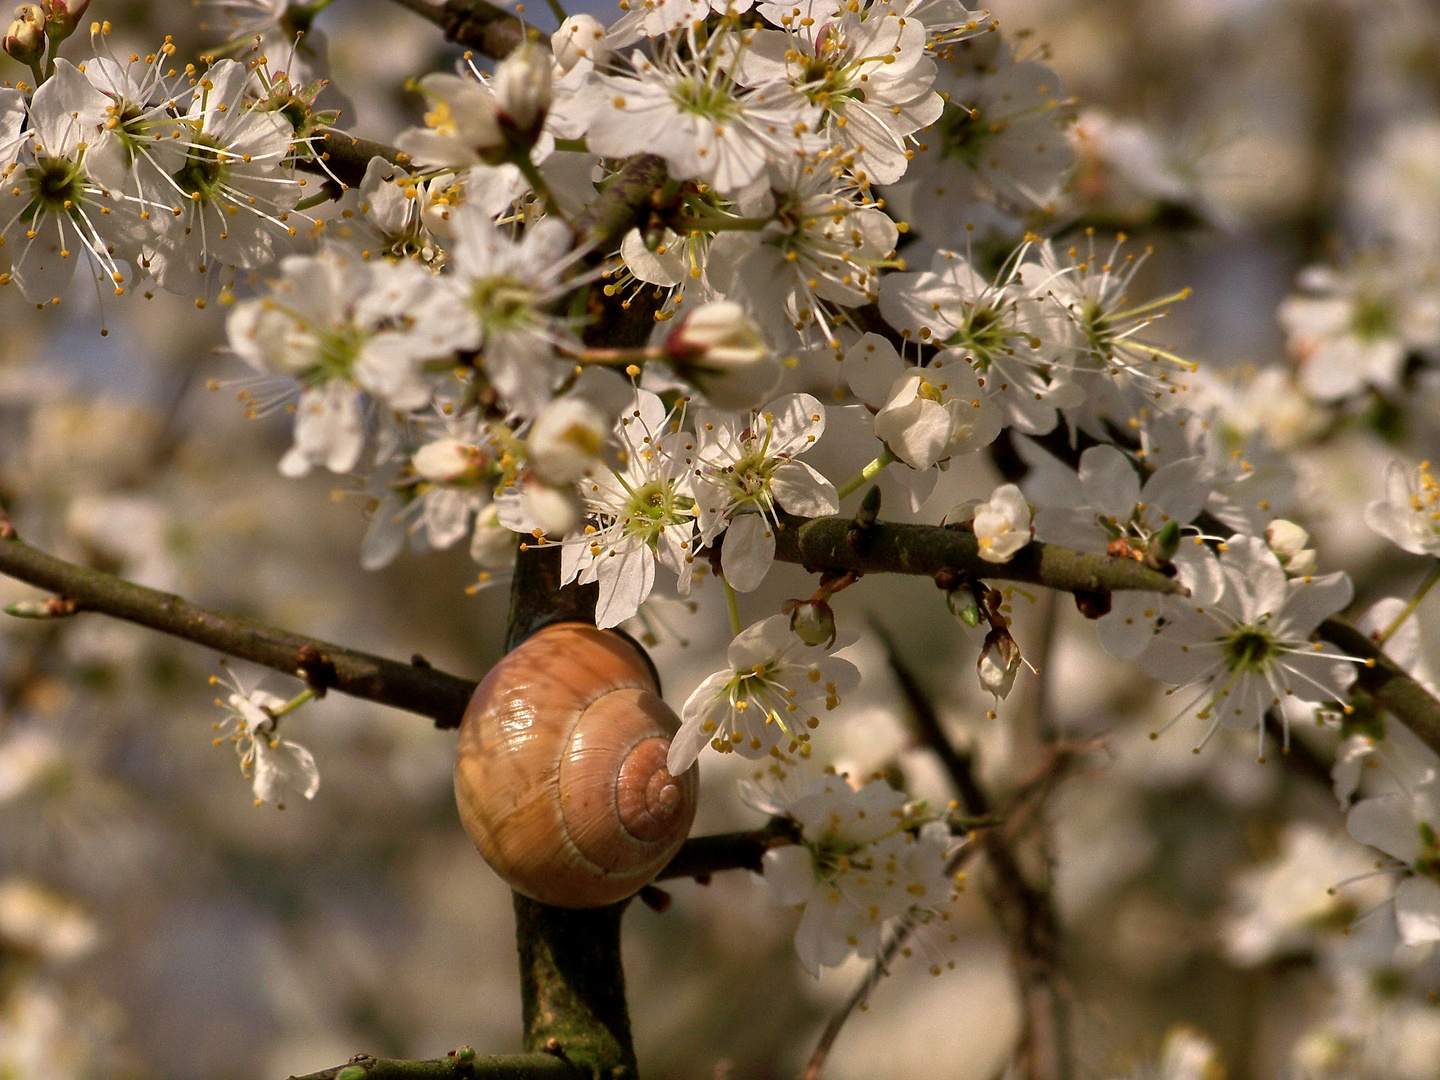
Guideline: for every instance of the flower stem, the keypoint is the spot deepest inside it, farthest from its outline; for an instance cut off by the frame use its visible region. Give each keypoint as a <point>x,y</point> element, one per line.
<point>313,200</point>
<point>1409,609</point>
<point>733,604</point>
<point>294,703</point>
<point>869,472</point>
<point>557,9</point>
<point>532,174</point>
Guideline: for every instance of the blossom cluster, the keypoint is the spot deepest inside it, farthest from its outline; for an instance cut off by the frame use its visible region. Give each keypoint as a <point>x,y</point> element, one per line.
<point>460,334</point>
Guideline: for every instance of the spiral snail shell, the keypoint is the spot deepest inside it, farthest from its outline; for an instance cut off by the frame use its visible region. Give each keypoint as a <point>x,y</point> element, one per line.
<point>560,772</point>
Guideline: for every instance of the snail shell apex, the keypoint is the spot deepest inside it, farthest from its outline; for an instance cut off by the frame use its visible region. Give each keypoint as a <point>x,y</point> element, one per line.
<point>560,774</point>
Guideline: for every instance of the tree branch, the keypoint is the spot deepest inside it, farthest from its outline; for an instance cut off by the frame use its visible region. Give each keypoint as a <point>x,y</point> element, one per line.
<point>338,154</point>
<point>835,543</point>
<point>702,856</point>
<point>460,1065</point>
<point>1025,912</point>
<point>1387,682</point>
<point>475,24</point>
<point>416,687</point>
<point>604,223</point>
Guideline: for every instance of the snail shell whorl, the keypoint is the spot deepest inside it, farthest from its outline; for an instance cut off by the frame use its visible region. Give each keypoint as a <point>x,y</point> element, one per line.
<point>560,773</point>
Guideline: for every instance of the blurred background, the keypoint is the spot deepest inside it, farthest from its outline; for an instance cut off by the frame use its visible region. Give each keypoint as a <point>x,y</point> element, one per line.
<point>153,923</point>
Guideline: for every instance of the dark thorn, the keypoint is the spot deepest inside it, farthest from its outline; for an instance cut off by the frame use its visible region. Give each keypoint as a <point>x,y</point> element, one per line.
<point>656,899</point>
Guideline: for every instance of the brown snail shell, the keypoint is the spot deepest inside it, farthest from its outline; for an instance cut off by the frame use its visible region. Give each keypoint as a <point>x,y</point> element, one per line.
<point>560,773</point>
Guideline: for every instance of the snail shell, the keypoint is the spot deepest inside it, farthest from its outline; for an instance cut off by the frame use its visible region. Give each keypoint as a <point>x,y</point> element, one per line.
<point>560,772</point>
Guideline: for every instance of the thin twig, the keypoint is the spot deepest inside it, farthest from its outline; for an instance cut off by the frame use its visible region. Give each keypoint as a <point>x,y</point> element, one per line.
<point>461,1065</point>
<point>415,687</point>
<point>879,968</point>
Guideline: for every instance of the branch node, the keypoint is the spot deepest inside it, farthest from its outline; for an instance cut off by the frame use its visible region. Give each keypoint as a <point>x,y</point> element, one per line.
<point>656,899</point>
<point>1093,604</point>
<point>316,668</point>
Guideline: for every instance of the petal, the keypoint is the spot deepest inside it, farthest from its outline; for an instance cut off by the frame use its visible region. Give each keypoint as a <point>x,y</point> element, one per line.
<point>801,490</point>
<point>1417,910</point>
<point>748,551</point>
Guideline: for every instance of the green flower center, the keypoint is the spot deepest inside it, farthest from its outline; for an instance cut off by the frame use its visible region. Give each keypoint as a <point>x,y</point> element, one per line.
<point>984,334</point>
<point>1249,648</point>
<point>57,186</point>
<point>502,302</point>
<point>1372,319</point>
<point>336,351</point>
<point>963,134</point>
<point>205,169</point>
<point>703,98</point>
<point>652,508</point>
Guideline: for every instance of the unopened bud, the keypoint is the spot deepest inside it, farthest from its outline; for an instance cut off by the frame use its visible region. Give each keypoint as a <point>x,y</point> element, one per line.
<point>566,439</point>
<point>523,93</point>
<point>962,605</point>
<point>25,39</point>
<point>580,37</point>
<point>1163,545</point>
<point>813,622</point>
<point>1287,540</point>
<point>493,545</point>
<point>62,17</point>
<point>998,663</point>
<point>556,510</point>
<point>721,348</point>
<point>448,461</point>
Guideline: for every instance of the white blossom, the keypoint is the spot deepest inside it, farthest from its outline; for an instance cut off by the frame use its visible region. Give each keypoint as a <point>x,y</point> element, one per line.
<point>274,766</point>
<point>865,68</point>
<point>1245,646</point>
<point>642,513</point>
<point>1409,515</point>
<point>925,415</point>
<point>954,306</point>
<point>1353,329</point>
<point>747,474</point>
<point>338,325</point>
<point>1002,524</point>
<point>767,700</point>
<point>863,860</point>
<point>685,107</point>
<point>234,192</point>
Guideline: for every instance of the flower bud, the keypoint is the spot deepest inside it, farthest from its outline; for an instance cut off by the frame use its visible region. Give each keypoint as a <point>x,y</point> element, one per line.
<point>556,510</point>
<point>25,39</point>
<point>999,661</point>
<point>721,348</point>
<point>1287,540</point>
<point>1163,545</point>
<point>1302,563</point>
<point>447,461</point>
<point>566,440</point>
<point>962,605</point>
<point>493,545</point>
<point>62,17</point>
<point>523,94</point>
<point>813,622</point>
<point>1002,525</point>
<point>580,37</point>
